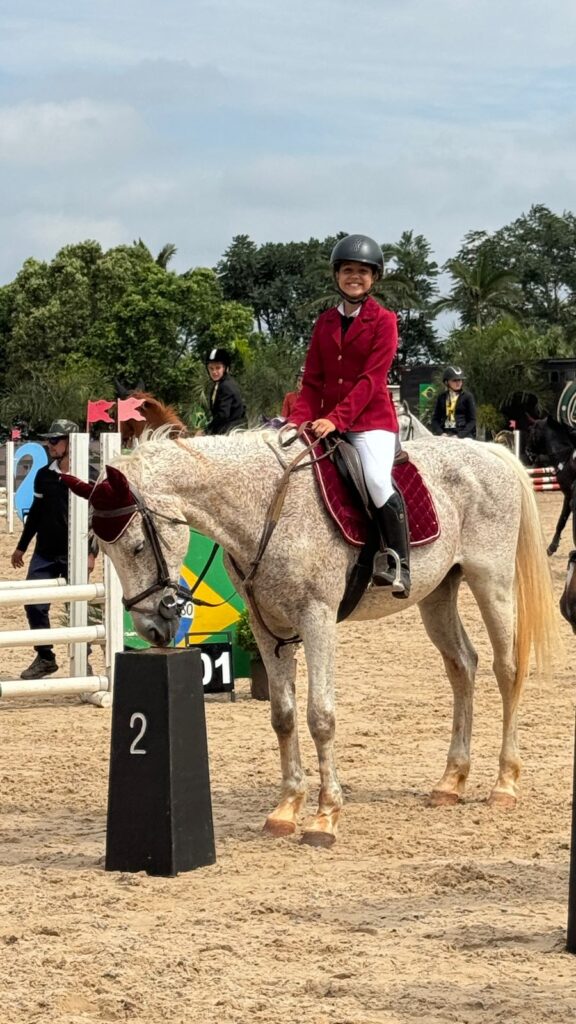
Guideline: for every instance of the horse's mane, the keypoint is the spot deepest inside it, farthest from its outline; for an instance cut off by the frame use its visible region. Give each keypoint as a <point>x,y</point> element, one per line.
<point>236,440</point>
<point>159,414</point>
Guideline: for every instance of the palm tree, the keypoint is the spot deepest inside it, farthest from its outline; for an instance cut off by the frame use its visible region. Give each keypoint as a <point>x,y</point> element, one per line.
<point>167,253</point>
<point>481,291</point>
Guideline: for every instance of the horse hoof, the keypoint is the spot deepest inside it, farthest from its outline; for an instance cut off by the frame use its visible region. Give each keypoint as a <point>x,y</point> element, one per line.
<point>502,801</point>
<point>321,840</point>
<point>440,798</point>
<point>278,829</point>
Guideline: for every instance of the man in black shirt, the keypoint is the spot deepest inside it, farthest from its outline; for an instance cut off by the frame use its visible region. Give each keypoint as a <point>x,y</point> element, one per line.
<point>47,520</point>
<point>226,404</point>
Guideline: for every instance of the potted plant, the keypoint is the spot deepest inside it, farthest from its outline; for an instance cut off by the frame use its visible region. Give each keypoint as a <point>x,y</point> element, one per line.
<point>247,641</point>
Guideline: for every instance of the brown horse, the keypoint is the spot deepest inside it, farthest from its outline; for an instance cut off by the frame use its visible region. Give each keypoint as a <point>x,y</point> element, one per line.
<point>156,414</point>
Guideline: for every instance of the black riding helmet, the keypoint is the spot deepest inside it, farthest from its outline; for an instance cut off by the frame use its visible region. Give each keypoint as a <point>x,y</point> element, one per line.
<point>453,373</point>
<point>219,355</point>
<point>360,249</point>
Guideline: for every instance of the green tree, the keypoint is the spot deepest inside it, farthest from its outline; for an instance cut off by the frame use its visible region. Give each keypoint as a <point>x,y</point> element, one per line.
<point>411,289</point>
<point>481,291</point>
<point>285,284</point>
<point>51,392</point>
<point>504,358</point>
<point>121,311</point>
<point>539,249</point>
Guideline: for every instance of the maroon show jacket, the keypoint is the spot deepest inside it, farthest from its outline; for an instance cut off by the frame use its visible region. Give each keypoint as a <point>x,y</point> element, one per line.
<point>346,379</point>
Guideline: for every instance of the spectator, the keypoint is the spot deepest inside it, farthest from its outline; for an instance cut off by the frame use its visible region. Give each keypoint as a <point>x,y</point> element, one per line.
<point>226,405</point>
<point>291,396</point>
<point>455,412</point>
<point>47,520</point>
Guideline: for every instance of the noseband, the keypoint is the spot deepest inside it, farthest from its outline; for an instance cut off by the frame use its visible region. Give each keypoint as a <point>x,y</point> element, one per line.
<point>174,596</point>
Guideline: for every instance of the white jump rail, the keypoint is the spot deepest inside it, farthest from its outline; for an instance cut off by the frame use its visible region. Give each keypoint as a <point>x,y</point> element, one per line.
<point>46,594</point>
<point>95,689</point>
<point>67,686</point>
<point>57,635</point>
<point>31,584</point>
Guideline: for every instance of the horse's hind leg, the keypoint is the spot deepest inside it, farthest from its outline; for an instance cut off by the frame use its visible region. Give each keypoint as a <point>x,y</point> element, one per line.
<point>442,623</point>
<point>495,597</point>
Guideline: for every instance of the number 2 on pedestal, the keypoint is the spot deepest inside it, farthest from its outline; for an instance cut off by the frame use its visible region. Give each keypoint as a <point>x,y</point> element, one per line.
<point>136,718</point>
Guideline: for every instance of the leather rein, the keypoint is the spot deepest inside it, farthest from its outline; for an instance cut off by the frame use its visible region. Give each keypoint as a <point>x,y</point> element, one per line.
<point>174,595</point>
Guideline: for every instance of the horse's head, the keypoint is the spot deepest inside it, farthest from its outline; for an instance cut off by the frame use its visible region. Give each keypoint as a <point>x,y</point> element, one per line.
<point>156,414</point>
<point>568,599</point>
<point>536,440</point>
<point>146,539</point>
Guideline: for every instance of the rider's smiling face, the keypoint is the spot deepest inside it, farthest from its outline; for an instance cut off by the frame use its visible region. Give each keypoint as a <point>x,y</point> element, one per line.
<point>354,278</point>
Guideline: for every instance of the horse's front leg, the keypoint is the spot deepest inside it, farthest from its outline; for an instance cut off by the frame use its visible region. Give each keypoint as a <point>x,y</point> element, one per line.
<point>281,673</point>
<point>318,628</point>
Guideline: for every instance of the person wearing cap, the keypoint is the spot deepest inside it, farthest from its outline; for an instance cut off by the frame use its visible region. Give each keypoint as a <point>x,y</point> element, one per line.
<point>47,521</point>
<point>290,397</point>
<point>227,407</point>
<point>455,411</point>
<point>345,389</point>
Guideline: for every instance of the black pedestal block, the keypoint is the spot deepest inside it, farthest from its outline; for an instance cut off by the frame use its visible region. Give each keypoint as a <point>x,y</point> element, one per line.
<point>159,803</point>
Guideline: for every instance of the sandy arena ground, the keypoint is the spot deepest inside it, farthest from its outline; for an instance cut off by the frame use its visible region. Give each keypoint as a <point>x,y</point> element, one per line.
<point>417,914</point>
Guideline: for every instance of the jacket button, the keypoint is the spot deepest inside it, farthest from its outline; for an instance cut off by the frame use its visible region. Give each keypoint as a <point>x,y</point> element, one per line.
<point>340,380</point>
<point>339,358</point>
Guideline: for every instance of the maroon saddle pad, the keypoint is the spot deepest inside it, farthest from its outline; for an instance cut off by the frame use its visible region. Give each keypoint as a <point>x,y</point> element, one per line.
<point>350,517</point>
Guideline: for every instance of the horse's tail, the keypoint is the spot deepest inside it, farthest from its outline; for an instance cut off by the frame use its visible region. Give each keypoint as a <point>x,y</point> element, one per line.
<point>537,622</point>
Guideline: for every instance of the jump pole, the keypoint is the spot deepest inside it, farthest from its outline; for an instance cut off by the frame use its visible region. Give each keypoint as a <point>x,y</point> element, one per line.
<point>10,486</point>
<point>79,451</point>
<point>110,445</point>
<point>571,931</point>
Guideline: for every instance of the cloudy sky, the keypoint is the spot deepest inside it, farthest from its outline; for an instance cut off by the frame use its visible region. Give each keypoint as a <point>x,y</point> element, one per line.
<point>190,121</point>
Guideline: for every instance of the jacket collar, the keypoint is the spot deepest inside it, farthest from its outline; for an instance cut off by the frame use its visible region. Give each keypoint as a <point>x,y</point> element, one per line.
<point>367,313</point>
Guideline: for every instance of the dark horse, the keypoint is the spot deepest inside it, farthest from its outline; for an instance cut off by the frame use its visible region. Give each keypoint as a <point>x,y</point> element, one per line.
<point>557,442</point>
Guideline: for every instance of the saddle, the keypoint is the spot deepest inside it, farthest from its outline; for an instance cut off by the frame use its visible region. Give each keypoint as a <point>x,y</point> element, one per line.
<point>341,482</point>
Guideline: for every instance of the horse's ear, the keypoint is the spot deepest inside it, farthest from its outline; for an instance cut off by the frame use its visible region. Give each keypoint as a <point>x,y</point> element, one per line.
<point>77,486</point>
<point>118,482</point>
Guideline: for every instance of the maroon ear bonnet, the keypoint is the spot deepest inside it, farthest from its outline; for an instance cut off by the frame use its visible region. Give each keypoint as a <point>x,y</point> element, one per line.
<point>112,494</point>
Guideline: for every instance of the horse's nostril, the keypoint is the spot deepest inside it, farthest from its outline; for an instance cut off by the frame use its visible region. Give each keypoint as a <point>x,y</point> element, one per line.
<point>157,639</point>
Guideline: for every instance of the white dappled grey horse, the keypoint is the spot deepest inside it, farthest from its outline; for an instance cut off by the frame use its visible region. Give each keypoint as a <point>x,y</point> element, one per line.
<point>490,536</point>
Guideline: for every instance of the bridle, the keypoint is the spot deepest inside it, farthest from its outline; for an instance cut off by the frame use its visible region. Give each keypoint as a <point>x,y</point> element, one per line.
<point>174,595</point>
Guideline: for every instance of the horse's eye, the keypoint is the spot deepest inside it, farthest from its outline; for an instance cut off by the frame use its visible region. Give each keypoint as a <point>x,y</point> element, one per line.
<point>139,547</point>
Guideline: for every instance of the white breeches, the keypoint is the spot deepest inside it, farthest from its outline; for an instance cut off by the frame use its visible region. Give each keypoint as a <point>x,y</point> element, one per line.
<point>376,449</point>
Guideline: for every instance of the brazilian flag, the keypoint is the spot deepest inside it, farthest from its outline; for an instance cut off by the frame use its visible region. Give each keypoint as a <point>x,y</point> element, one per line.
<point>200,624</point>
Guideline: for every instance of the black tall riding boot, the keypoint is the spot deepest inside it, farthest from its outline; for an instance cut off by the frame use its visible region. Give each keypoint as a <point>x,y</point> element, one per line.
<point>392,562</point>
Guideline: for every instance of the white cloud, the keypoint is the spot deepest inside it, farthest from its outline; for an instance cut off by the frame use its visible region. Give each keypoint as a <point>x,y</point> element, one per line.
<point>74,131</point>
<point>49,232</point>
<point>191,123</point>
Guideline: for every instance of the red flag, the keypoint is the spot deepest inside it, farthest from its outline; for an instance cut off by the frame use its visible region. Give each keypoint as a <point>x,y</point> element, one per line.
<point>97,412</point>
<point>127,409</point>
<point>16,434</point>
